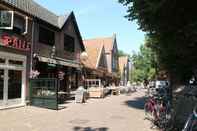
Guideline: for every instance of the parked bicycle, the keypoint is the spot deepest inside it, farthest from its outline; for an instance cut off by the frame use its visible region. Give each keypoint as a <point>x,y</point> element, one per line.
<point>158,109</point>
<point>191,123</point>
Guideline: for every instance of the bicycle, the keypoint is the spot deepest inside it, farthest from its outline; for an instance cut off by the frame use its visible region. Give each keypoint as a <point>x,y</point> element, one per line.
<point>191,123</point>
<point>159,110</point>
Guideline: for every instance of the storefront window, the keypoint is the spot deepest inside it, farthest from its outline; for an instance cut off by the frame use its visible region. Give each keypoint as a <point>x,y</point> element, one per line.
<point>14,84</point>
<point>44,89</point>
<point>1,83</point>
<point>2,61</point>
<point>15,62</point>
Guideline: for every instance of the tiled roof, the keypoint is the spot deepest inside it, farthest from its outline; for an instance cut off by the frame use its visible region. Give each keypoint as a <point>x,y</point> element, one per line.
<point>106,41</point>
<point>109,43</point>
<point>32,8</point>
<point>122,63</point>
<point>93,50</point>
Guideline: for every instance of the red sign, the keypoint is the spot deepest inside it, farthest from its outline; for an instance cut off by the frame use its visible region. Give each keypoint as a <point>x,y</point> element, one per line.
<point>15,42</point>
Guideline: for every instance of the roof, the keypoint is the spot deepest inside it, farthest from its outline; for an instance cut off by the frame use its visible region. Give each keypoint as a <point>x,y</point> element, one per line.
<point>33,8</point>
<point>94,51</point>
<point>108,42</point>
<point>38,11</point>
<point>123,60</point>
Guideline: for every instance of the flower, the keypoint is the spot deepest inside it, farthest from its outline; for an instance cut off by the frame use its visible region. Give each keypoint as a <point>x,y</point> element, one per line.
<point>34,74</point>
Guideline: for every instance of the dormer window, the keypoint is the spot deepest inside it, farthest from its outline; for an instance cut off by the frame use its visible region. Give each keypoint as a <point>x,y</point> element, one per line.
<point>13,21</point>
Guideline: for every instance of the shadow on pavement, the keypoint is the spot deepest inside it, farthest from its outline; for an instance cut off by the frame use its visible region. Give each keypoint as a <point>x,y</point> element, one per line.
<point>89,129</point>
<point>137,103</point>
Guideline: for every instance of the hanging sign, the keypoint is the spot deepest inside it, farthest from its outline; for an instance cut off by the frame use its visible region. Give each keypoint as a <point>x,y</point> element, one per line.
<point>14,42</point>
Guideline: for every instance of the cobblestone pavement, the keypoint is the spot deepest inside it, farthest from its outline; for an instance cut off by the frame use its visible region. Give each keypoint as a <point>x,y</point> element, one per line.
<point>113,113</point>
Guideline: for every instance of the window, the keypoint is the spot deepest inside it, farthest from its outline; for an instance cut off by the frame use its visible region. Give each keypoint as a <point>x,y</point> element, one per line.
<point>46,36</point>
<point>15,62</point>
<point>6,18</point>
<point>69,43</point>
<point>2,61</point>
<point>13,21</point>
<point>19,26</point>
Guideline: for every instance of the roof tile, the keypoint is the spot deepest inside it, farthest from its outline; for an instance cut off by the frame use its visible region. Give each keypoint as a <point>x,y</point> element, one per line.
<point>93,50</point>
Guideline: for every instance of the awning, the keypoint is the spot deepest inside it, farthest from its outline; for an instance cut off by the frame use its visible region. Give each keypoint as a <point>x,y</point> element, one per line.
<point>60,61</point>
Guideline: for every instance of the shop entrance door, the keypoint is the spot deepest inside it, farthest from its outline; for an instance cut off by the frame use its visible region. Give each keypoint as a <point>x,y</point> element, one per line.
<point>12,80</point>
<point>14,92</point>
<point>1,86</point>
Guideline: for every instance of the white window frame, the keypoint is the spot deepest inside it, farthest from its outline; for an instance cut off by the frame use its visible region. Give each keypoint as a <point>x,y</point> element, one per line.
<point>12,20</point>
<point>26,22</point>
<point>26,26</point>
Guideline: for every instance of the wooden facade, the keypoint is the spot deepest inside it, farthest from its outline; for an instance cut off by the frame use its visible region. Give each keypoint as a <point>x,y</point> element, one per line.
<point>50,45</point>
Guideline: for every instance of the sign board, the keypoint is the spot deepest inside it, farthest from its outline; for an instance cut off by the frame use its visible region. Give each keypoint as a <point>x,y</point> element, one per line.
<point>14,42</point>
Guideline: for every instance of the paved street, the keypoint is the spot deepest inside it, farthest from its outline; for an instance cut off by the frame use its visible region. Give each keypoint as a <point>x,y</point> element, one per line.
<point>114,113</point>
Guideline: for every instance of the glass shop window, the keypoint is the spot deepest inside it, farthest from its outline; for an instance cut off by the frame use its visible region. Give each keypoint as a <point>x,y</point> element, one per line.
<point>2,60</point>
<point>15,62</point>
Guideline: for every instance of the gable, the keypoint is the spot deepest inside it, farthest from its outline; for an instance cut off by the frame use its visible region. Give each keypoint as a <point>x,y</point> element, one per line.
<point>115,47</point>
<point>71,28</point>
<point>102,63</point>
<point>93,50</point>
<point>123,62</point>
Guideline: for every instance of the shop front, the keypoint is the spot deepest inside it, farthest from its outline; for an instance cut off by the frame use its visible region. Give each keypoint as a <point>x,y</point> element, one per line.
<point>12,79</point>
<point>55,80</point>
<point>14,66</point>
<point>15,55</point>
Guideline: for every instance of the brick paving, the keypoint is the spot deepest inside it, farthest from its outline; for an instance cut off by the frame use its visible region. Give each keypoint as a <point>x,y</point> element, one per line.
<point>113,113</point>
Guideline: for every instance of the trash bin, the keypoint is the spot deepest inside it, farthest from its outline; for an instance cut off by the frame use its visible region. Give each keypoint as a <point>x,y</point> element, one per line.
<point>80,95</point>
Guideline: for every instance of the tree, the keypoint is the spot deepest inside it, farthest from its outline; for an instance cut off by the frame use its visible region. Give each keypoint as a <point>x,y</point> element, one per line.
<point>172,26</point>
<point>144,64</point>
<point>122,53</point>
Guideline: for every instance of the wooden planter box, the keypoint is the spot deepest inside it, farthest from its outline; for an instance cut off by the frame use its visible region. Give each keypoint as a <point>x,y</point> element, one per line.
<point>96,92</point>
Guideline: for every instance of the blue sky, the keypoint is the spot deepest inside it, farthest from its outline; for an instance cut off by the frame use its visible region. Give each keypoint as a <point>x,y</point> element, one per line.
<point>100,18</point>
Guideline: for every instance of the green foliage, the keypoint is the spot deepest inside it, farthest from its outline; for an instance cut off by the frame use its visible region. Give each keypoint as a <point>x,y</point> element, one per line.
<point>144,64</point>
<point>171,27</point>
<point>122,53</point>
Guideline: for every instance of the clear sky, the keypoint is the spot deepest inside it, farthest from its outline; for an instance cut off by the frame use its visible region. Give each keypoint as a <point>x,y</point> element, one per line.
<point>100,18</point>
